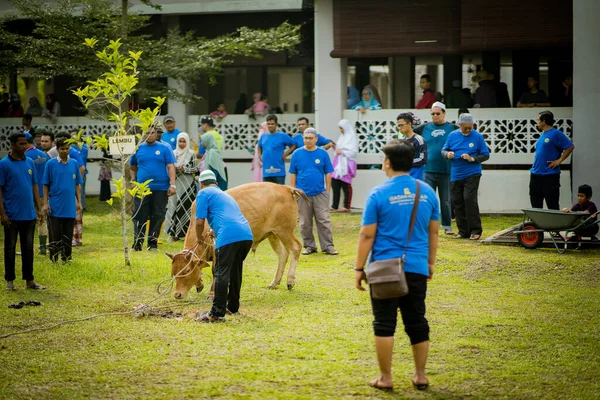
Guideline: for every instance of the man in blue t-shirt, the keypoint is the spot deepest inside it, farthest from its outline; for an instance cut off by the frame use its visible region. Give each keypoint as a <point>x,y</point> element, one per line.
<point>303,125</point>
<point>405,123</point>
<point>82,150</point>
<point>310,171</point>
<point>39,159</point>
<point>19,200</point>
<point>437,169</point>
<point>170,133</point>
<point>552,149</point>
<point>272,152</point>
<point>466,149</point>
<point>384,233</point>
<point>233,240</point>
<point>156,162</point>
<point>62,201</point>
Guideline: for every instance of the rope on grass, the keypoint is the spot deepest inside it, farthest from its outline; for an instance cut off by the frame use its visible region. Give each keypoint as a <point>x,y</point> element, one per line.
<point>138,310</point>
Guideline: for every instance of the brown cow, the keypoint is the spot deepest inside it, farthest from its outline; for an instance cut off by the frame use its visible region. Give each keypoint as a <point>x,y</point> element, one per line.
<point>271,211</point>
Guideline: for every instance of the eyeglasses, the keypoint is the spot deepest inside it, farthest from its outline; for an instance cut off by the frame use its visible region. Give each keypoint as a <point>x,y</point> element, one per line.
<point>309,138</point>
<point>401,125</point>
<point>436,113</point>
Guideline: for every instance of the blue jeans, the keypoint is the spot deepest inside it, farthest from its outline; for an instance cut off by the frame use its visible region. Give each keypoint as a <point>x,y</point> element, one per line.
<point>441,182</point>
<point>275,179</point>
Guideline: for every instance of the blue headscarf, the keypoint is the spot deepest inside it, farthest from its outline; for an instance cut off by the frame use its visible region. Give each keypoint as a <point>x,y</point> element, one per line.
<point>353,96</point>
<point>372,104</point>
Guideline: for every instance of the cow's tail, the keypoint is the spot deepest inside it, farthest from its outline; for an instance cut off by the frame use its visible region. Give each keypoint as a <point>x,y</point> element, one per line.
<point>297,193</point>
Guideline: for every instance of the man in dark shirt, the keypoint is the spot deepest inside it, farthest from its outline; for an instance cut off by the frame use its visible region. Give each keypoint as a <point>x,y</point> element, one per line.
<point>534,97</point>
<point>585,204</point>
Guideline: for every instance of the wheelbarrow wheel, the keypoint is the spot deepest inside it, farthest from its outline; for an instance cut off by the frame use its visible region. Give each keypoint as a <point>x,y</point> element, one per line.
<point>530,240</point>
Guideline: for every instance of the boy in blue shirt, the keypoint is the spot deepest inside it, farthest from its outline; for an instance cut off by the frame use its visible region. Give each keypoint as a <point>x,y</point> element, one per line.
<point>19,200</point>
<point>39,159</point>
<point>233,240</point>
<point>552,148</point>
<point>466,149</point>
<point>272,153</point>
<point>62,201</point>
<point>405,123</point>
<point>310,171</point>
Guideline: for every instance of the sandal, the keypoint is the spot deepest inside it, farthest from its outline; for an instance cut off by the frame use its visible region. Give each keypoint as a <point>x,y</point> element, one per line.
<point>475,237</point>
<point>458,236</point>
<point>420,386</point>
<point>375,384</point>
<point>308,251</point>
<point>36,286</point>
<point>208,317</point>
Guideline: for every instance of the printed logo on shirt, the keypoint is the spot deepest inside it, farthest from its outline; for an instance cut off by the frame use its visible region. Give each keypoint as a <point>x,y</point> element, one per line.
<point>317,161</point>
<point>406,191</point>
<point>172,139</point>
<point>471,145</point>
<point>29,171</point>
<point>157,152</point>
<point>547,140</point>
<point>438,132</point>
<point>272,170</point>
<point>73,176</point>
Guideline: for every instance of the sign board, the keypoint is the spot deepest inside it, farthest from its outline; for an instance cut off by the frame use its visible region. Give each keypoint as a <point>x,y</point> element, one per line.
<point>122,145</point>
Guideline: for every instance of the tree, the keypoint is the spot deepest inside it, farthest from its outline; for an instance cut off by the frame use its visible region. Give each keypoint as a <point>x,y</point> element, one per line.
<point>50,47</point>
<point>110,92</point>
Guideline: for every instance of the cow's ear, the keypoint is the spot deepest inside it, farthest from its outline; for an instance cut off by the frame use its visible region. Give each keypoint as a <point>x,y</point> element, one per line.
<point>170,255</point>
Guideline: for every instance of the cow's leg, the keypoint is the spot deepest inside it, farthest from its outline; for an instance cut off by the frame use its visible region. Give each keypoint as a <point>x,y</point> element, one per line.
<point>282,256</point>
<point>293,247</point>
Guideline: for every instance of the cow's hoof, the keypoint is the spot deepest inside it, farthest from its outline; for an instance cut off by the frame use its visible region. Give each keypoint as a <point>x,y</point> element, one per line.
<point>290,286</point>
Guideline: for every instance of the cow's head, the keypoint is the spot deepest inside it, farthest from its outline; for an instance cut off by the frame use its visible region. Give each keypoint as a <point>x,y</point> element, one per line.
<point>186,267</point>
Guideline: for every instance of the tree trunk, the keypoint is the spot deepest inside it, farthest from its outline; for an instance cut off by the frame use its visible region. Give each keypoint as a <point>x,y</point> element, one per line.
<point>124,217</point>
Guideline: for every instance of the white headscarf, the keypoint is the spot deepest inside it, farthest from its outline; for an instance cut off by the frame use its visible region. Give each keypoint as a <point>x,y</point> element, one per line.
<point>183,156</point>
<point>347,142</point>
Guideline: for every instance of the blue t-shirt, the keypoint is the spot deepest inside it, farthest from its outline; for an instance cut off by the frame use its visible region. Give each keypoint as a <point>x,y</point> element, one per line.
<point>474,145</point>
<point>171,138</point>
<point>273,146</point>
<point>223,215</point>
<point>62,180</point>
<point>82,152</point>
<point>39,159</point>
<point>321,140</point>
<point>435,136</point>
<point>549,147</point>
<point>16,179</point>
<point>389,205</point>
<point>420,159</point>
<point>74,154</point>
<point>310,168</point>
<point>152,160</point>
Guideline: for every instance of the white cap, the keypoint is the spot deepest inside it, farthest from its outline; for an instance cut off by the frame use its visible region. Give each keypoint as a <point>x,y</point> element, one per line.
<point>207,175</point>
<point>439,104</point>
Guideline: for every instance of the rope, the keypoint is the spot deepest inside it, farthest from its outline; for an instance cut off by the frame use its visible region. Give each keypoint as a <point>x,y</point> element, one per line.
<point>140,309</point>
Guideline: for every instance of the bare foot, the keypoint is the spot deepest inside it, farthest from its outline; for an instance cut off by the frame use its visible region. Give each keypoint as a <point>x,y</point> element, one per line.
<point>381,384</point>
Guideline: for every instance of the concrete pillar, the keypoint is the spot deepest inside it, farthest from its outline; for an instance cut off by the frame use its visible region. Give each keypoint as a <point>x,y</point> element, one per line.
<point>330,74</point>
<point>586,94</point>
<point>176,108</point>
<point>402,70</point>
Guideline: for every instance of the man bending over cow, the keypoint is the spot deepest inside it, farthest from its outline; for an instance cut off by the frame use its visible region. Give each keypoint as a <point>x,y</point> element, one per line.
<point>233,242</point>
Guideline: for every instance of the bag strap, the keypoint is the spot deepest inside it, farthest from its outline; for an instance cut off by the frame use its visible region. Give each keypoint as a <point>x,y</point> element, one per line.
<point>413,216</point>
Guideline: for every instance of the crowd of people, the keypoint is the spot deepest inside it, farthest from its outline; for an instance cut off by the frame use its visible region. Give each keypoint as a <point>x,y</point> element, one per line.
<point>43,178</point>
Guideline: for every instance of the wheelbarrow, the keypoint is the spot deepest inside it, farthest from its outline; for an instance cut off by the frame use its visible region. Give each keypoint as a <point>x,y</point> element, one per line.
<point>537,221</point>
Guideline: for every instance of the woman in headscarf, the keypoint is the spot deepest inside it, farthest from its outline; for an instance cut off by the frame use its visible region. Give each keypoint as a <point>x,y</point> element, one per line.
<point>256,167</point>
<point>35,108</point>
<point>353,97</point>
<point>52,109</point>
<point>368,102</point>
<point>213,160</point>
<point>180,205</point>
<point>344,165</point>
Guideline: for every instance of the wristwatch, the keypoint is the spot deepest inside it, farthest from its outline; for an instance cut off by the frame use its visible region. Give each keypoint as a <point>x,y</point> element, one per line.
<point>174,187</point>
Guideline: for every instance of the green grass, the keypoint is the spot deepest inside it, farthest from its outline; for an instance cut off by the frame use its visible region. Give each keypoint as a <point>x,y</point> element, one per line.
<point>505,323</point>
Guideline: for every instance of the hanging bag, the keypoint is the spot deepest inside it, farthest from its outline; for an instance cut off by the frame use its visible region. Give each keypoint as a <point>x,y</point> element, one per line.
<point>386,277</point>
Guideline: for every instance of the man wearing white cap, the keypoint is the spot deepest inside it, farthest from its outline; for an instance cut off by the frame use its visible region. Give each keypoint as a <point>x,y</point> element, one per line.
<point>437,169</point>
<point>233,240</point>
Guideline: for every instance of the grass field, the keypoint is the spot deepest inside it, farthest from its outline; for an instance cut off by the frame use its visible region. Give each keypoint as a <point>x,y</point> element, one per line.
<point>505,323</point>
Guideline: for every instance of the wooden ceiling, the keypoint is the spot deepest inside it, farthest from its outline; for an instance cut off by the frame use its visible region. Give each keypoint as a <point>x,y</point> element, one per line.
<point>383,28</point>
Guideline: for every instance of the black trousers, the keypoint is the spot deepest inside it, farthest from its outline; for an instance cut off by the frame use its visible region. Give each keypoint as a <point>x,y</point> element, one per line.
<point>412,309</point>
<point>228,274</point>
<point>60,236</point>
<point>280,180</point>
<point>466,206</point>
<point>336,187</point>
<point>25,230</point>
<point>154,208</point>
<point>544,187</point>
